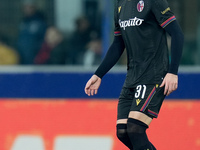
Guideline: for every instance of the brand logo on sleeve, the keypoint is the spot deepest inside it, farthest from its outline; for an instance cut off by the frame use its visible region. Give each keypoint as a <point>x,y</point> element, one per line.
<point>166,10</point>
<point>140,6</point>
<point>130,23</point>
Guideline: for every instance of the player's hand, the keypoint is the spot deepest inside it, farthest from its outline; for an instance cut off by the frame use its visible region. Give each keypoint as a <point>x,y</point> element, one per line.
<point>170,82</point>
<point>92,85</point>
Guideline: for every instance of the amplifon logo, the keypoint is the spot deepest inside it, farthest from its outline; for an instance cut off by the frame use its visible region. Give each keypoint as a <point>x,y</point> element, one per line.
<point>131,22</point>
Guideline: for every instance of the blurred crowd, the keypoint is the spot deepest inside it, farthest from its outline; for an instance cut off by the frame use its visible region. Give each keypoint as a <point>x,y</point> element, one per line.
<point>39,43</point>
<point>42,44</point>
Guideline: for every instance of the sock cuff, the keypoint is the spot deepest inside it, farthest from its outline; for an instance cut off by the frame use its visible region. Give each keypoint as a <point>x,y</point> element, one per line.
<point>121,126</point>
<point>138,122</point>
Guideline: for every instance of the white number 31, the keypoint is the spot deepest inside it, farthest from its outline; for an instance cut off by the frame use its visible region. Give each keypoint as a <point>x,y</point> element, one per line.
<point>140,88</point>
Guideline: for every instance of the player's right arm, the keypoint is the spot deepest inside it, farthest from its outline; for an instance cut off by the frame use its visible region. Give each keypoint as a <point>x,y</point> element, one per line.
<point>116,49</point>
<point>112,56</point>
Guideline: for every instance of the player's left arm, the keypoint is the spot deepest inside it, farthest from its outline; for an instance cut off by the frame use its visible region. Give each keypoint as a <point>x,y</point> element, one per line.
<point>177,39</point>
<point>167,21</point>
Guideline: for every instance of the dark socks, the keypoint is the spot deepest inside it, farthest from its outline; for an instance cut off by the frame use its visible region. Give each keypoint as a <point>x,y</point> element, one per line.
<point>137,134</point>
<point>134,133</point>
<point>123,135</point>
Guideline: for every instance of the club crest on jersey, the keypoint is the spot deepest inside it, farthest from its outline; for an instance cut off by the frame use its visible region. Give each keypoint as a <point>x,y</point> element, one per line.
<point>140,6</point>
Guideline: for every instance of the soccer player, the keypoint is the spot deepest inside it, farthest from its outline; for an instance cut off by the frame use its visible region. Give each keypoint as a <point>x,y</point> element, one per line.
<point>141,27</point>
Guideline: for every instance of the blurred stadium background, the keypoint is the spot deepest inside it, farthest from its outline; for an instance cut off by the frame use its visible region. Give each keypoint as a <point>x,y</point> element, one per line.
<point>50,48</point>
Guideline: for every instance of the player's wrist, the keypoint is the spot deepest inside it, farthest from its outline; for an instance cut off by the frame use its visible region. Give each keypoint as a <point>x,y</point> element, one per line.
<point>96,75</point>
<point>174,73</point>
<point>173,69</point>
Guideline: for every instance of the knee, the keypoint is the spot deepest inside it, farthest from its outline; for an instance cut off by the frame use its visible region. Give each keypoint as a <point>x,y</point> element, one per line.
<point>121,131</point>
<point>123,136</point>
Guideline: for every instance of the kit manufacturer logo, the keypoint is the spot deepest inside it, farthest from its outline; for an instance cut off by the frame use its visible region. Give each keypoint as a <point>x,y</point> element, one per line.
<point>119,9</point>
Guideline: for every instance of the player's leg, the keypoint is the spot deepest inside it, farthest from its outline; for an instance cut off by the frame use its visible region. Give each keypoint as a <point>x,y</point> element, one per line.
<point>137,125</point>
<point>122,133</point>
<point>124,105</point>
<point>127,136</point>
<point>145,107</point>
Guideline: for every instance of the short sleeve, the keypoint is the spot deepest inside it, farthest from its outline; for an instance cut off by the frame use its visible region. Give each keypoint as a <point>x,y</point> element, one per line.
<point>117,9</point>
<point>162,12</point>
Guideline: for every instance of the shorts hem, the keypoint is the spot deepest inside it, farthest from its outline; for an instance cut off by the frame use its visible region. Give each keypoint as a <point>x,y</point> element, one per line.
<point>154,114</point>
